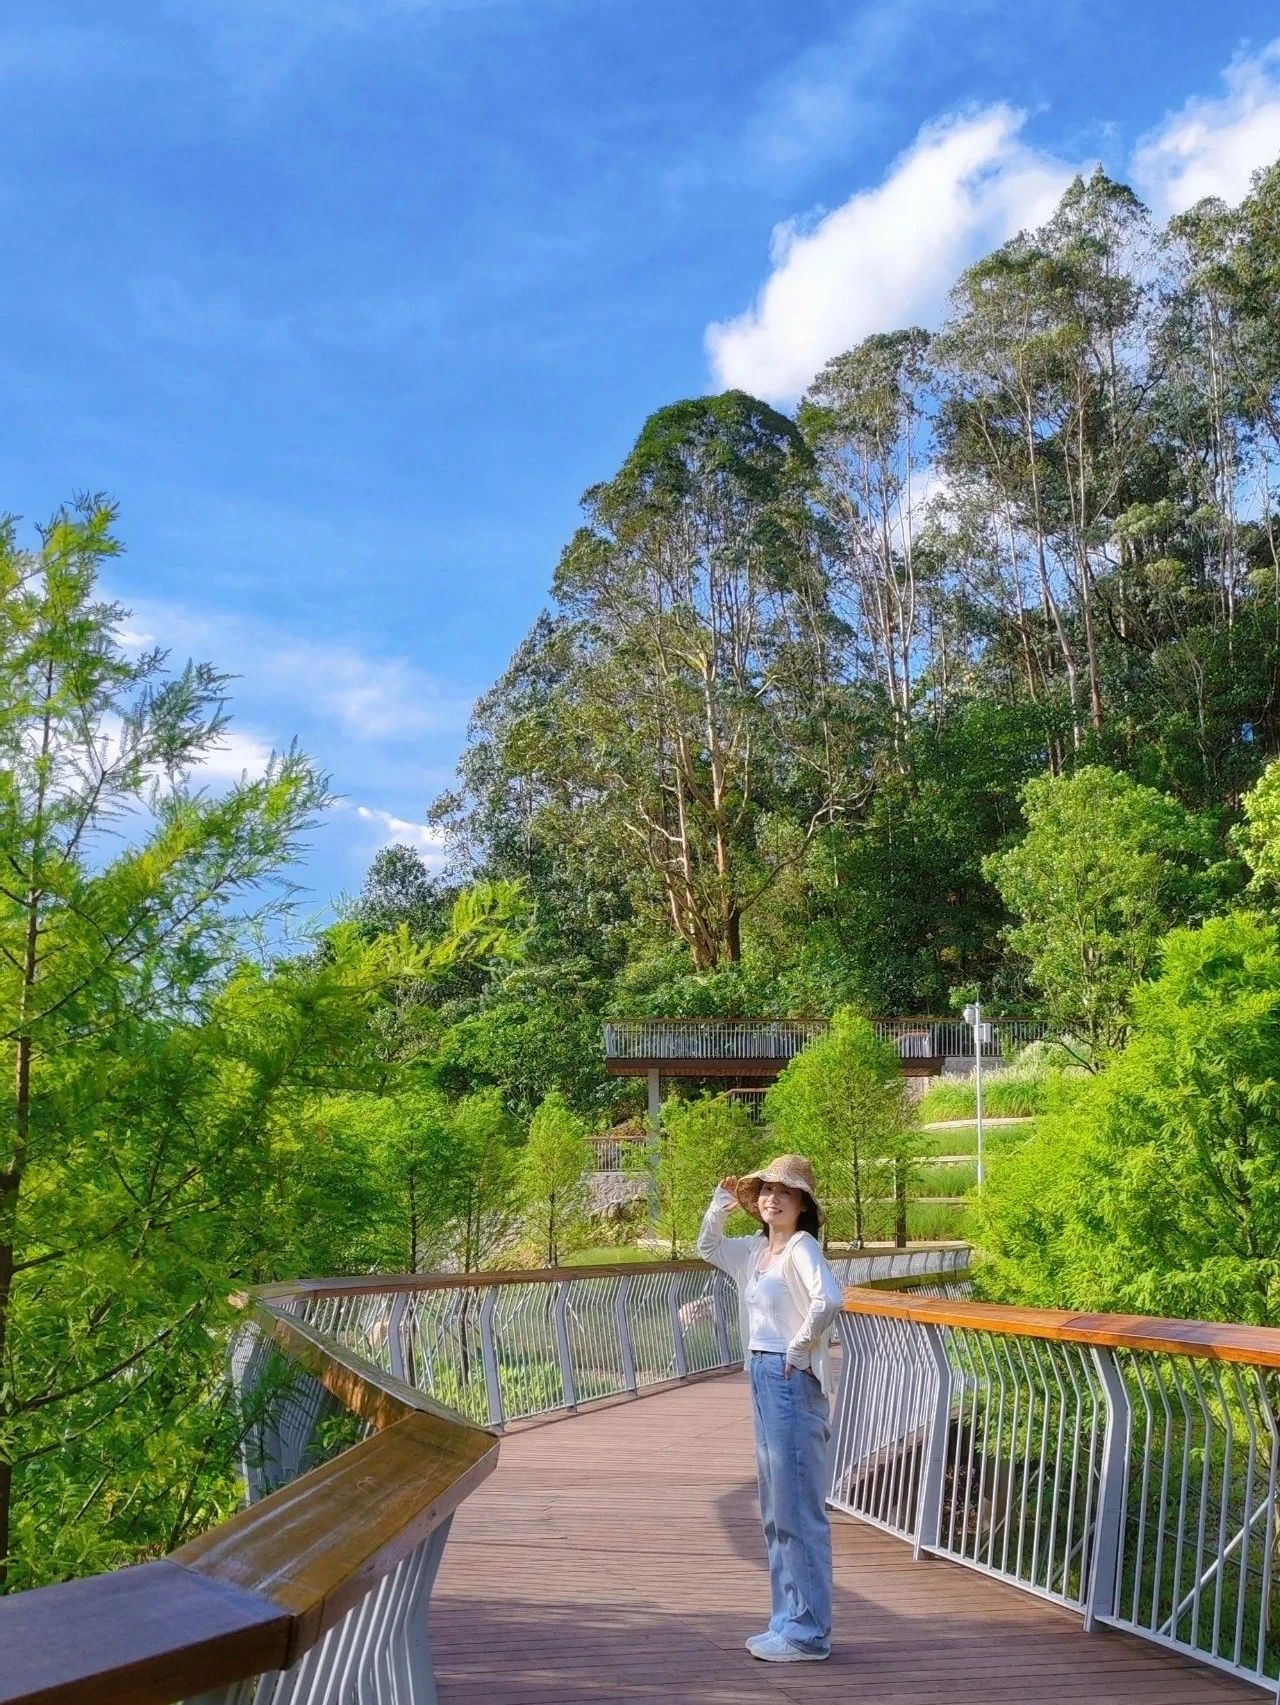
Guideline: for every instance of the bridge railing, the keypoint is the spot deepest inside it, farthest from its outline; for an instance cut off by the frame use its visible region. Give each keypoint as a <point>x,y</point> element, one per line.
<point>658,1039</point>
<point>709,1038</point>
<point>366,1394</point>
<point>315,1594</point>
<point>612,1153</point>
<point>502,1347</point>
<point>1125,1467</point>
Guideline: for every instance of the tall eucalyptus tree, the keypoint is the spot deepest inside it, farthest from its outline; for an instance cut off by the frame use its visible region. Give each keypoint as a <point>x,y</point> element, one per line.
<point>704,686</point>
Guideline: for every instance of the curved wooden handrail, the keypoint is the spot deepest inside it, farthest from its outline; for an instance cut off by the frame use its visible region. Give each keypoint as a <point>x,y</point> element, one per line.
<point>254,1593</point>
<point>1218,1341</point>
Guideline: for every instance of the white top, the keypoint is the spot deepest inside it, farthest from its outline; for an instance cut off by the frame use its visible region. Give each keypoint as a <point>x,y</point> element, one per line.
<point>770,1311</point>
<point>812,1291</point>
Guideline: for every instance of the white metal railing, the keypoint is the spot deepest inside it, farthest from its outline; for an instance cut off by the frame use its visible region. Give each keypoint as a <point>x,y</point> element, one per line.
<point>658,1039</point>
<point>614,1154</point>
<point>504,1348</point>
<point>709,1038</point>
<point>1134,1483</point>
<point>752,1100</point>
<point>952,1038</point>
<point>378,1650</point>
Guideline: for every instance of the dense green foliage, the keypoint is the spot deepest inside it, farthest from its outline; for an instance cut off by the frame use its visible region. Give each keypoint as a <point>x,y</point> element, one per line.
<point>764,751</point>
<point>181,1113</point>
<point>1105,869</point>
<point>1155,1187</point>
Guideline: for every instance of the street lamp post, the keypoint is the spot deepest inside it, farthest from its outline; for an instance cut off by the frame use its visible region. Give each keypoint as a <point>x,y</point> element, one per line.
<point>981,1034</point>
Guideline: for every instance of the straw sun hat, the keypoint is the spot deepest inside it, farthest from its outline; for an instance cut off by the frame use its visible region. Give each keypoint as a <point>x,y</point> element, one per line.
<point>792,1169</point>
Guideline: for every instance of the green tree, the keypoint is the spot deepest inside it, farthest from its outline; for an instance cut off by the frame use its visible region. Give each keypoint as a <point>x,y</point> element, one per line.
<point>96,943</point>
<point>154,1149</point>
<point>698,665</point>
<point>1105,868</point>
<point>534,1032</point>
<point>701,1142</point>
<point>554,1167</point>
<point>867,420</point>
<point>842,1101</point>
<point>1258,837</point>
<point>1157,1189</point>
<point>480,1180</point>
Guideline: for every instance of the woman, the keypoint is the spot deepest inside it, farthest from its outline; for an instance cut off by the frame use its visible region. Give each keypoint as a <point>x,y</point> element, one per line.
<point>787,1297</point>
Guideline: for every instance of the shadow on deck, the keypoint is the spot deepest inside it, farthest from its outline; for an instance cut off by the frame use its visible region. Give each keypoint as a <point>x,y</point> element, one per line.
<point>618,1556</point>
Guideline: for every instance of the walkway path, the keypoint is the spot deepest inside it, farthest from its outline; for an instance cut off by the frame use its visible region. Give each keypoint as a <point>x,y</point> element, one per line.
<point>616,1556</point>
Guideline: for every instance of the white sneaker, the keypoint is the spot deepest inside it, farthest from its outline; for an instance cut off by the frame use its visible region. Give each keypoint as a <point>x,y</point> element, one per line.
<point>773,1649</point>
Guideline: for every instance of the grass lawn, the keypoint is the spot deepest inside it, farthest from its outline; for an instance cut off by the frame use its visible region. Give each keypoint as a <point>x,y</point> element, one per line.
<point>963,1139</point>
<point>1003,1096</point>
<point>614,1254</point>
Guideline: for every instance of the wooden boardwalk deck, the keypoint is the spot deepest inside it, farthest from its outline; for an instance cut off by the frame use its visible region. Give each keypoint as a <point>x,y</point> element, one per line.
<point>617,1556</point>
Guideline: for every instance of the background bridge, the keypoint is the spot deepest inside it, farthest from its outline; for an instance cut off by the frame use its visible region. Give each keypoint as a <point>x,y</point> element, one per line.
<point>760,1047</point>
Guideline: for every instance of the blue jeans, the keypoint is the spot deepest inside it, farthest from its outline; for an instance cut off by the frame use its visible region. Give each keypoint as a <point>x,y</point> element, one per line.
<point>793,1429</point>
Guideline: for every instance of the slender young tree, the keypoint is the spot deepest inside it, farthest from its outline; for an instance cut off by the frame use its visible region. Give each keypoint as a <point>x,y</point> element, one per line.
<point>843,1102</point>
<point>120,883</point>
<point>555,1163</point>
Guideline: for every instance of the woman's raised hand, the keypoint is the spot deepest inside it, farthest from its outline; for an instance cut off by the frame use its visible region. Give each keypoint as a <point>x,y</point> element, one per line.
<point>729,1184</point>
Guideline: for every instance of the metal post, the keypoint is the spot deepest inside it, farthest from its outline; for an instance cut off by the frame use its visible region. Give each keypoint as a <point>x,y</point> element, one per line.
<point>718,1282</point>
<point>933,1466</point>
<point>489,1357</point>
<point>973,1018</point>
<point>1108,1520</point>
<point>395,1345</point>
<point>563,1345</point>
<point>677,1331</point>
<point>626,1348</point>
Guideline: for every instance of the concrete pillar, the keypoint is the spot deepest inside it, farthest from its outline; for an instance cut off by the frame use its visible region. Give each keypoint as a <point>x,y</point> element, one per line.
<point>655,1100</point>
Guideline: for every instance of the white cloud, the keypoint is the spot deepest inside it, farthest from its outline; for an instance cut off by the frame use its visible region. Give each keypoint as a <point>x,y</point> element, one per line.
<point>372,698</point>
<point>888,255</point>
<point>391,828</point>
<point>236,754</point>
<point>363,696</point>
<point>1211,147</point>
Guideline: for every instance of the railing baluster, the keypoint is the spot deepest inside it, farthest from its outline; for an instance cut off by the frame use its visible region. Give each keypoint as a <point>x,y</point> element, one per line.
<point>677,1330</point>
<point>563,1345</point>
<point>933,1466</point>
<point>489,1356</point>
<point>719,1284</point>
<point>622,1304</point>
<point>1108,1523</point>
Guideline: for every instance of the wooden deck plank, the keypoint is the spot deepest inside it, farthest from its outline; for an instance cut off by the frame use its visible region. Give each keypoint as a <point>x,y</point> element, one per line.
<point>617,1556</point>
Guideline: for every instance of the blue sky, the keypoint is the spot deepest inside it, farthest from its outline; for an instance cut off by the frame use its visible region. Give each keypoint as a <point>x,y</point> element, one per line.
<point>347,301</point>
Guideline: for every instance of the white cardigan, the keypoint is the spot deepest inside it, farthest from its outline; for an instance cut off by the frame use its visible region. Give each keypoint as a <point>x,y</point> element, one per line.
<point>814,1288</point>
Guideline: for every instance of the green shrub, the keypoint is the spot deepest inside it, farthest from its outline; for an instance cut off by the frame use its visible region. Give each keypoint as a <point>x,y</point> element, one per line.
<point>1156,1189</point>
